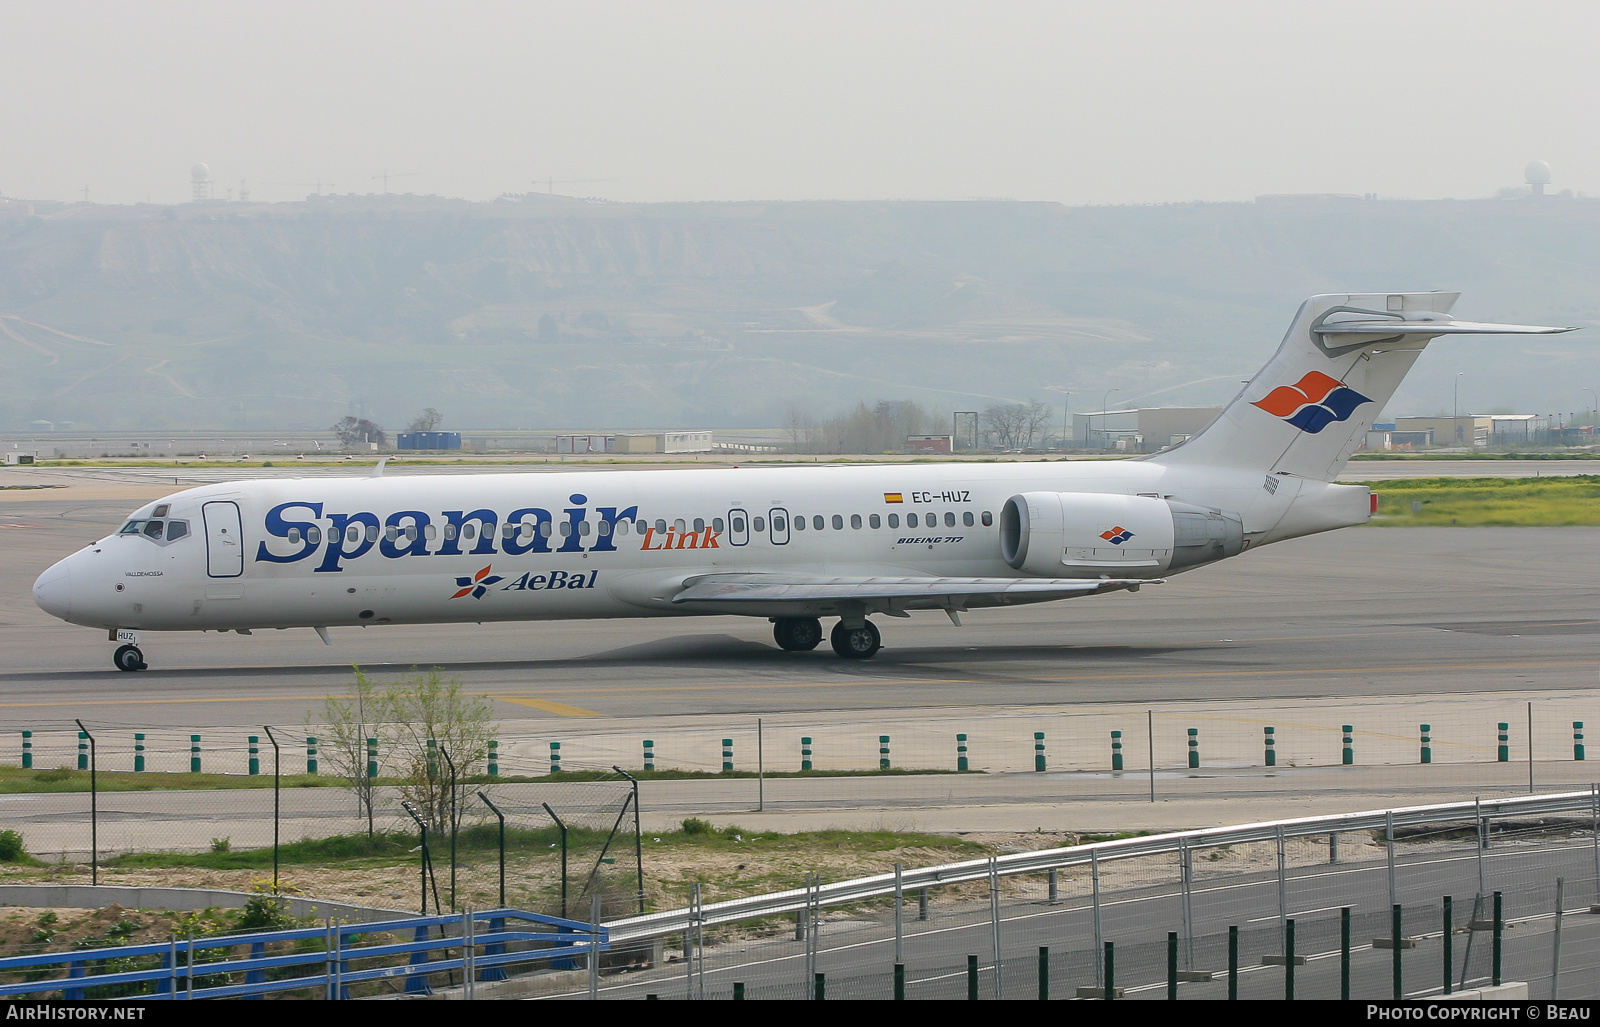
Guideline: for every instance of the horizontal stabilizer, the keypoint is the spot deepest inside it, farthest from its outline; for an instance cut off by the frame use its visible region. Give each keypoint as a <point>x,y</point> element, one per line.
<point>1435,328</point>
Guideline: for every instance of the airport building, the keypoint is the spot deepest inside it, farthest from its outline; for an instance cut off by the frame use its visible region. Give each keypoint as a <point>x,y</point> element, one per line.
<point>1141,429</point>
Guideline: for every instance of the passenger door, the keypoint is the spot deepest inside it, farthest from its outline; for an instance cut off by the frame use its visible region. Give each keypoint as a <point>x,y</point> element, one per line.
<point>738,527</point>
<point>778,522</point>
<point>224,544</point>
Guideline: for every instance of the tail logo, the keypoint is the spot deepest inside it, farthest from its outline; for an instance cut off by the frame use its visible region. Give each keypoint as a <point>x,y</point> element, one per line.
<point>1117,535</point>
<point>1312,403</point>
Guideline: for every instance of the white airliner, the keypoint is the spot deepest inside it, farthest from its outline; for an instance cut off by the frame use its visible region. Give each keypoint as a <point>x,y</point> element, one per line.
<point>791,544</point>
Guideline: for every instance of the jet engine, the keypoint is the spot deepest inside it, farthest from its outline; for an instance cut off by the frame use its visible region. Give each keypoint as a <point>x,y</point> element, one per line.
<point>1090,534</point>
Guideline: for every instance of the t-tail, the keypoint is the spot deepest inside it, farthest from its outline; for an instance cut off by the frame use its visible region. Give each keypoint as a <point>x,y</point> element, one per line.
<point>1304,413</point>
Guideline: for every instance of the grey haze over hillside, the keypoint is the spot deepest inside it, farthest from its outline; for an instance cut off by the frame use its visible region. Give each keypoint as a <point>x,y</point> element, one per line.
<point>550,312</point>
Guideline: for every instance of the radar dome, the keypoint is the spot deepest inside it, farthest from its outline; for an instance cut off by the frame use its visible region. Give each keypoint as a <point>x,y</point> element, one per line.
<point>1537,173</point>
<point>201,173</point>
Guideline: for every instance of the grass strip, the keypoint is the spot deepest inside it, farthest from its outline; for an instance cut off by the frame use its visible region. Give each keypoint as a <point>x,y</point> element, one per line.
<point>1485,502</point>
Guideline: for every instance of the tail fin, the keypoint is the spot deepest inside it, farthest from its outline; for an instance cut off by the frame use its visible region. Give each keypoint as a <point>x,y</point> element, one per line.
<point>1310,407</point>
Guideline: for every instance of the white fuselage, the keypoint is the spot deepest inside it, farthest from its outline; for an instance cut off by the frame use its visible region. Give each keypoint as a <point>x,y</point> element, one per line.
<point>312,552</point>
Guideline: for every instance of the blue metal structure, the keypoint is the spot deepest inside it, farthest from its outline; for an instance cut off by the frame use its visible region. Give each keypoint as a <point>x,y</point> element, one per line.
<point>428,440</point>
<point>213,967</point>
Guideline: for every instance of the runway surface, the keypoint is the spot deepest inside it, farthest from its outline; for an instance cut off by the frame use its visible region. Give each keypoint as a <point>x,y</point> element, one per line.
<point>1360,612</point>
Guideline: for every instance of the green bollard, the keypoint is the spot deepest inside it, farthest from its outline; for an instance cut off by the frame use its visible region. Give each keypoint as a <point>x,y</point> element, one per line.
<point>649,754</point>
<point>255,755</point>
<point>311,754</point>
<point>1038,751</point>
<point>372,759</point>
<point>899,982</point>
<point>1044,973</point>
<point>83,750</point>
<point>1272,742</point>
<point>27,750</point>
<point>138,752</point>
<point>961,753</point>
<point>883,752</point>
<point>194,754</point>
<point>820,991</point>
<point>727,754</point>
<point>1349,755</point>
<point>805,752</point>
<point>738,991</point>
<point>1427,743</point>
<point>555,757</point>
<point>1505,746</point>
<point>1288,960</point>
<point>494,757</point>
<point>1111,970</point>
<point>1577,739</point>
<point>1194,748</point>
<point>1116,750</point>
<point>972,978</point>
<point>1449,942</point>
<point>1172,966</point>
<point>1233,964</point>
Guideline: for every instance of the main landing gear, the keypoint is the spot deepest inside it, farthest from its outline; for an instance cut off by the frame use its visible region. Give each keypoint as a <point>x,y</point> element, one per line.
<point>797,634</point>
<point>128,657</point>
<point>856,643</point>
<point>803,634</point>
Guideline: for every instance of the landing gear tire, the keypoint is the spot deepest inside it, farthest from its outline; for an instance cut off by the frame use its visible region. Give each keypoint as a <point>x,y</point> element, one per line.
<point>856,643</point>
<point>128,657</point>
<point>797,634</point>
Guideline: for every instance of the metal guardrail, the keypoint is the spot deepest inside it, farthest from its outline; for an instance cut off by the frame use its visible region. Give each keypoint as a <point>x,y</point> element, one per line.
<point>180,974</point>
<point>655,925</point>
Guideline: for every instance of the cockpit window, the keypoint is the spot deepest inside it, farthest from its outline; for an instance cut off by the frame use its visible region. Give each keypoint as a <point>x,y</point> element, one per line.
<point>161,511</point>
<point>177,530</point>
<point>154,529</point>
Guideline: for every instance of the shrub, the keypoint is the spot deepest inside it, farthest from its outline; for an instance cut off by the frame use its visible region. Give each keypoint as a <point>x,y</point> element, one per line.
<point>11,850</point>
<point>694,826</point>
<point>222,845</point>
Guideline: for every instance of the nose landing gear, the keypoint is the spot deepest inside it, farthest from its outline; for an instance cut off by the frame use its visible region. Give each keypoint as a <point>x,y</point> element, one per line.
<point>128,657</point>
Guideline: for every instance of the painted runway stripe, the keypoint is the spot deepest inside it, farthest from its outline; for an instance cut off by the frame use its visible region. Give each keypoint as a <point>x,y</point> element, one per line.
<point>559,709</point>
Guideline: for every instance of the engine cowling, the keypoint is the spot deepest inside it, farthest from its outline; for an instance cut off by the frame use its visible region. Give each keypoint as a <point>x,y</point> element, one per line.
<point>1090,534</point>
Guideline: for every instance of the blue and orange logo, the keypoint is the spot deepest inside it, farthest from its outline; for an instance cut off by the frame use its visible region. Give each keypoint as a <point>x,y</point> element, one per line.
<point>476,585</point>
<point>1313,403</point>
<point>1117,535</point>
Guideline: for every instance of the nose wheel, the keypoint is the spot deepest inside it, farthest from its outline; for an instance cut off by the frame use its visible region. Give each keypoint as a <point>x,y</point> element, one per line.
<point>128,657</point>
<point>856,643</point>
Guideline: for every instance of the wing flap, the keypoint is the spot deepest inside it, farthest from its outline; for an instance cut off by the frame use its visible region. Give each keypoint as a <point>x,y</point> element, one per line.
<point>930,591</point>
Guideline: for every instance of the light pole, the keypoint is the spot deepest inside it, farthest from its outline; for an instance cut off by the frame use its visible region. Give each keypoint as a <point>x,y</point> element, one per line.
<point>1455,408</point>
<point>1103,401</point>
<point>1592,405</point>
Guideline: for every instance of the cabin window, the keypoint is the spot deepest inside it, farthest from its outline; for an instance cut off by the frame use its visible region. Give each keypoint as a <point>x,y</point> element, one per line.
<point>546,528</point>
<point>966,518</point>
<point>411,533</point>
<point>622,527</point>
<point>816,522</point>
<point>449,531</point>
<point>874,521</point>
<point>949,520</point>
<point>178,529</point>
<point>894,520</point>
<point>716,524</point>
<point>738,526</point>
<point>431,532</point>
<point>678,526</point>
<point>760,524</point>
<point>469,530</point>
<point>661,526</point>
<point>313,535</point>
<point>352,533</point>
<point>566,529</point>
<point>778,525</point>
<point>605,528</point>
<point>988,518</point>
<point>838,523</point>
<point>372,533</point>
<point>294,536</point>
<point>799,522</point>
<point>699,524</point>
<point>855,521</point>
<point>584,527</point>
<point>911,520</point>
<point>391,533</point>
<point>154,529</point>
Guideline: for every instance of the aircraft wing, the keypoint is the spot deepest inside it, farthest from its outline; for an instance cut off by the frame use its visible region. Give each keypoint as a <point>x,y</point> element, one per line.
<point>891,593</point>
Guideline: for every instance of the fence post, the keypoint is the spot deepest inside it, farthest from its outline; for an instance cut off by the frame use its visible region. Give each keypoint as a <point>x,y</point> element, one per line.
<point>922,904</point>
<point>1344,953</point>
<point>649,754</point>
<point>27,750</point>
<point>1505,745</point>
<point>961,753</point>
<point>1577,739</point>
<point>1111,970</point>
<point>821,991</point>
<point>899,982</point>
<point>972,978</point>
<point>255,755</point>
<point>311,754</point>
<point>1233,963</point>
<point>1427,743</point>
<point>1348,757</point>
<point>1288,959</point>
<point>494,757</point>
<point>1116,750</point>
<point>1395,940</point>
<point>1449,941</point>
<point>883,752</point>
<point>138,752</point>
<point>94,804</point>
<point>727,754</point>
<point>1271,742</point>
<point>555,757</point>
<point>1038,751</point>
<point>1194,748</point>
<point>1499,929</point>
<point>1172,966</point>
<point>1044,973</point>
<point>738,991</point>
<point>805,752</point>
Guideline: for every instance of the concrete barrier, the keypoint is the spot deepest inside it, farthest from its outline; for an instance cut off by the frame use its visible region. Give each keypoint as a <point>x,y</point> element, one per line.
<point>1511,991</point>
<point>89,896</point>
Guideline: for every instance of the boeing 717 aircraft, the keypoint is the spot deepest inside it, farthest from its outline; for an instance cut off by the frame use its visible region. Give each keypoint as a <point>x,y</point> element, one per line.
<point>791,544</point>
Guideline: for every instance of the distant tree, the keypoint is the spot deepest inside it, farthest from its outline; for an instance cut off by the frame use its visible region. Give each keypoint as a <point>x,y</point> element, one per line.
<point>354,431</point>
<point>428,420</point>
<point>1016,425</point>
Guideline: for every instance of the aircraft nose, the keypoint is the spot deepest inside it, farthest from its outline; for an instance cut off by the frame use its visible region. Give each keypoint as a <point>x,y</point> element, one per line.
<point>53,591</point>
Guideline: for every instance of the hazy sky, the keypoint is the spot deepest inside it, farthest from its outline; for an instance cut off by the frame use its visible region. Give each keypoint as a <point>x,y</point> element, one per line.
<point>1081,103</point>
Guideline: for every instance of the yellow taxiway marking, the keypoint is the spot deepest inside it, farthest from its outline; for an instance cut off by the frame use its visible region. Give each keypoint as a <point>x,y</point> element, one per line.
<point>560,709</point>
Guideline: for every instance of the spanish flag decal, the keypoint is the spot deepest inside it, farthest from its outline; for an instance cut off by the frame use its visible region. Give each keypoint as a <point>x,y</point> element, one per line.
<point>893,497</point>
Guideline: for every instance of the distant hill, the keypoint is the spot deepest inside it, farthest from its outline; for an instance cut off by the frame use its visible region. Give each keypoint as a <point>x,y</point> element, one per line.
<point>549,312</point>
